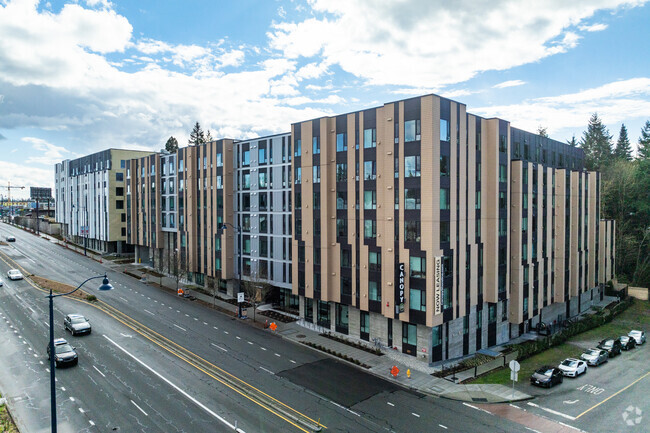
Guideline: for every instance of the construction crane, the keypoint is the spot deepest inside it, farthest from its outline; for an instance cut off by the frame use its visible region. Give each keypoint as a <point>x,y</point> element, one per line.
<point>9,188</point>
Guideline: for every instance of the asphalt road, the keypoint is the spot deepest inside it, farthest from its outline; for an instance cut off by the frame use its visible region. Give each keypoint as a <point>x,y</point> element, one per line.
<point>129,382</point>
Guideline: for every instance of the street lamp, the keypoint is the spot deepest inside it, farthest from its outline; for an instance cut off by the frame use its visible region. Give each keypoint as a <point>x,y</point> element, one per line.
<point>105,286</point>
<point>224,226</point>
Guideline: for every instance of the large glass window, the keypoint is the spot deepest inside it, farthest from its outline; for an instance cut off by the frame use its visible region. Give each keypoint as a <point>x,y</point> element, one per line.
<point>503,144</point>
<point>341,200</point>
<point>315,141</point>
<point>503,227</point>
<point>444,130</point>
<point>444,165</point>
<point>297,148</point>
<point>246,181</point>
<point>411,130</point>
<point>369,170</point>
<point>418,267</point>
<point>412,166</point>
<point>341,142</point>
<point>365,322</point>
<point>370,199</point>
<point>409,334</point>
<point>246,158</point>
<point>341,227</point>
<point>444,198</point>
<point>444,231</point>
<point>412,198</point>
<point>261,179</point>
<point>316,170</point>
<point>478,200</point>
<point>418,299</point>
<point>370,229</point>
<point>503,173</point>
<point>341,172</point>
<point>261,155</point>
<point>298,175</point>
<point>370,137</point>
<point>374,294</point>
<point>374,261</point>
<point>412,231</point>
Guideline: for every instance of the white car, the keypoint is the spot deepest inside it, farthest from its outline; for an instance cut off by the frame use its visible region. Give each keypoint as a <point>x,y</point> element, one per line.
<point>1,283</point>
<point>639,336</point>
<point>14,274</point>
<point>572,367</point>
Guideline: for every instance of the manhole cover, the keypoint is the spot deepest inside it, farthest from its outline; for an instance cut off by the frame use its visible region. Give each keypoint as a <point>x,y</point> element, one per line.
<point>300,336</point>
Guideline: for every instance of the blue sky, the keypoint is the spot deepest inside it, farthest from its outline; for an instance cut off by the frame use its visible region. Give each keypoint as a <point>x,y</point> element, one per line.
<point>80,76</point>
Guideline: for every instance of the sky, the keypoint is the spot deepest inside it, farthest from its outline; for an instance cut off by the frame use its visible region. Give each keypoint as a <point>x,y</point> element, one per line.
<point>77,77</point>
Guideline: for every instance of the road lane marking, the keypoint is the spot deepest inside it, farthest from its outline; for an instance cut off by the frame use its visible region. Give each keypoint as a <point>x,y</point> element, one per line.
<point>390,404</point>
<point>344,408</point>
<point>91,423</point>
<point>570,426</point>
<point>182,329</point>
<point>195,401</point>
<point>136,405</point>
<point>528,428</point>
<point>99,371</point>
<point>63,388</point>
<point>187,315</point>
<point>415,414</point>
<point>277,354</point>
<point>443,426</point>
<point>268,371</point>
<point>82,410</point>
<point>215,328</point>
<point>124,299</point>
<point>249,342</point>
<point>205,323</point>
<point>219,347</point>
<point>149,312</point>
<point>292,361</point>
<point>226,332</point>
<point>238,337</point>
<point>263,348</point>
<point>554,412</point>
<point>477,408</point>
<point>71,398</point>
<point>615,394</point>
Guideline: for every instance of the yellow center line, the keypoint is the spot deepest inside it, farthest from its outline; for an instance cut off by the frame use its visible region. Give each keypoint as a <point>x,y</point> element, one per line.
<point>613,395</point>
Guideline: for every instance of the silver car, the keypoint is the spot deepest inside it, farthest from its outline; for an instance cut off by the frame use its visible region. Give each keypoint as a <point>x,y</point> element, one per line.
<point>77,324</point>
<point>595,356</point>
<point>639,336</point>
<point>14,274</point>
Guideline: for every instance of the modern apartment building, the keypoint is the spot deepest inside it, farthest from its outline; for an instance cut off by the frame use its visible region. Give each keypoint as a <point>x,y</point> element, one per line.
<point>440,232</point>
<point>216,210</point>
<point>90,199</point>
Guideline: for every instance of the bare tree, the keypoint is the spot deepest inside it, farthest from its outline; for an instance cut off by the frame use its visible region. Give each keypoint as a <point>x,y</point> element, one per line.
<point>177,268</point>
<point>213,286</point>
<point>256,291</point>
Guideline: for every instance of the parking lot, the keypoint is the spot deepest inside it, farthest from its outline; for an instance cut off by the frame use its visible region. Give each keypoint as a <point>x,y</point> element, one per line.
<point>616,390</point>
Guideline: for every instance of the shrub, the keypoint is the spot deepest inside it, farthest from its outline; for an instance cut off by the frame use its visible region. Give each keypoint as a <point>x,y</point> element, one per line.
<point>91,298</point>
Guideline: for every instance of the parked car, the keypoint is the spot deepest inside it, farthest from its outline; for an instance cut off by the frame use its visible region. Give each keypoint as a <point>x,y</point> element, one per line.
<point>595,356</point>
<point>573,367</point>
<point>546,376</point>
<point>1,283</point>
<point>612,346</point>
<point>14,274</point>
<point>77,324</point>
<point>639,336</point>
<point>64,354</point>
<point>627,342</point>
<point>10,239</point>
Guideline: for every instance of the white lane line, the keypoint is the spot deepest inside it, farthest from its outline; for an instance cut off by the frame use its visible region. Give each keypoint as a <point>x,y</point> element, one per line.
<point>91,423</point>
<point>195,401</point>
<point>31,309</point>
<point>477,408</point>
<point>161,304</point>
<point>182,329</point>
<point>514,405</point>
<point>136,405</point>
<point>81,410</point>
<point>47,324</point>
<point>554,412</point>
<point>570,426</point>
<point>215,328</point>
<point>268,371</point>
<point>178,311</point>
<point>344,408</point>
<point>443,426</point>
<point>205,323</point>
<point>187,315</point>
<point>277,354</point>
<point>249,342</point>
<point>35,356</point>
<point>63,388</point>
<point>219,347</point>
<point>103,375</point>
<point>226,332</point>
<point>263,348</point>
<point>390,404</point>
<point>536,431</point>
<point>196,319</point>
<point>42,363</point>
<point>71,398</point>
<point>149,312</point>
<point>124,299</point>
<point>238,337</point>
<point>148,297</point>
<point>415,414</point>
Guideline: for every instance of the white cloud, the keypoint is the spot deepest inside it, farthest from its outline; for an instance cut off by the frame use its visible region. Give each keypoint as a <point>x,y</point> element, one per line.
<point>431,43</point>
<point>19,175</point>
<point>615,102</point>
<point>594,27</point>
<point>48,154</point>
<point>510,83</point>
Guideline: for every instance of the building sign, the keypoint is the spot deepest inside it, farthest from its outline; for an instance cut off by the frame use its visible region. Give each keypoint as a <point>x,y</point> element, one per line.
<point>401,284</point>
<point>437,285</point>
<point>40,193</point>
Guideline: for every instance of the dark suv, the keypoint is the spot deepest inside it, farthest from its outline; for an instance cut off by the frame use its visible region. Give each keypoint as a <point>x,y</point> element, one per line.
<point>613,346</point>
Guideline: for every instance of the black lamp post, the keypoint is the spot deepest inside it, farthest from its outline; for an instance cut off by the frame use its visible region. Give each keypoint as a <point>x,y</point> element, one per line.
<point>105,286</point>
<point>239,264</point>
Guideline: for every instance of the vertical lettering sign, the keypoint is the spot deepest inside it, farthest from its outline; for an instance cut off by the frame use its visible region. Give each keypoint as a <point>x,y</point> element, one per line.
<point>401,277</point>
<point>437,285</point>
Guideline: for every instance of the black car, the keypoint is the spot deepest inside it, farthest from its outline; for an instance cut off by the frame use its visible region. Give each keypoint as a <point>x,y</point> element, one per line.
<point>612,346</point>
<point>10,239</point>
<point>546,376</point>
<point>627,342</point>
<point>64,354</point>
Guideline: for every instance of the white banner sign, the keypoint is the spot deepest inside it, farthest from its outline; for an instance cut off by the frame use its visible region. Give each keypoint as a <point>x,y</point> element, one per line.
<point>437,284</point>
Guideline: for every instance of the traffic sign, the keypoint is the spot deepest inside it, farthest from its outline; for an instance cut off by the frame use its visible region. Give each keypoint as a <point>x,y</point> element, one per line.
<point>240,297</point>
<point>514,366</point>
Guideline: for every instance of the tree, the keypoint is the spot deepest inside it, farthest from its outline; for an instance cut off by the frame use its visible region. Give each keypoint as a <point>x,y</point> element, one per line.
<point>197,136</point>
<point>623,149</point>
<point>177,267</point>
<point>256,291</point>
<point>644,142</point>
<point>172,145</point>
<point>208,137</point>
<point>213,286</point>
<point>597,144</point>
<point>541,131</point>
<point>572,142</point>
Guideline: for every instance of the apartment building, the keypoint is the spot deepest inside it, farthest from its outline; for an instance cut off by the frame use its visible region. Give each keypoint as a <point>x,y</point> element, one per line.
<point>90,199</point>
<point>217,211</point>
<point>440,232</point>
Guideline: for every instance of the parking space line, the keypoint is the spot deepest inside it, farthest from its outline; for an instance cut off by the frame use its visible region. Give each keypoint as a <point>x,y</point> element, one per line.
<point>613,395</point>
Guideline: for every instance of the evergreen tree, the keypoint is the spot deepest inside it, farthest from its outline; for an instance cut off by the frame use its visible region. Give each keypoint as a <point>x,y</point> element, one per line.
<point>644,142</point>
<point>572,142</point>
<point>171,145</point>
<point>597,144</point>
<point>541,131</point>
<point>623,148</point>
<point>197,136</point>
<point>208,137</point>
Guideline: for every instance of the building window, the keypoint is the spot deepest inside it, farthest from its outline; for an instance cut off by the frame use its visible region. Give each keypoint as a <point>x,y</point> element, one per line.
<point>341,172</point>
<point>444,231</point>
<point>261,179</point>
<point>444,199</point>
<point>297,150</point>
<point>316,170</point>
<point>246,181</point>
<point>503,227</point>
<point>374,261</point>
<point>369,170</point>
<point>346,259</point>
<point>365,322</point>
<point>503,144</point>
<point>370,229</point>
<point>503,173</point>
<point>418,267</point>
<point>526,275</point>
<point>492,313</point>
<point>411,130</point>
<point>418,299</point>
<point>341,142</point>
<point>374,294</point>
<point>119,204</point>
<point>412,231</point>
<point>412,166</point>
<point>341,200</point>
<point>119,177</point>
<point>315,145</point>
<point>444,165</point>
<point>341,227</point>
<point>525,201</point>
<point>412,198</point>
<point>446,297</point>
<point>444,130</point>
<point>477,205</point>
<point>409,334</point>
<point>436,335</point>
<point>298,176</point>
<point>261,155</point>
<point>370,199</point>
<point>502,200</point>
<point>370,137</point>
<point>524,251</point>
<point>246,158</point>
